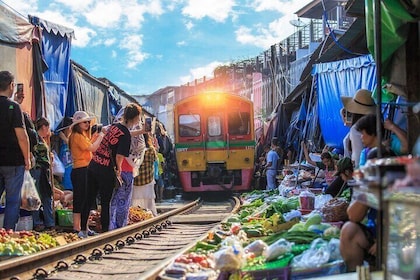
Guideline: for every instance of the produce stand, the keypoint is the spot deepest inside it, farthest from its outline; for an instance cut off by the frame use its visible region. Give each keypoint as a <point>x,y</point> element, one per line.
<point>275,235</point>
<point>276,218</point>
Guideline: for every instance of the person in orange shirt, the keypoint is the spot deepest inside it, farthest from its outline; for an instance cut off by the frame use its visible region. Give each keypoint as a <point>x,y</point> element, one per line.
<point>81,145</point>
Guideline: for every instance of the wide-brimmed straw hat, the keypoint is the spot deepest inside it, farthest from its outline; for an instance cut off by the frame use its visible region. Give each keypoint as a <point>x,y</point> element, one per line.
<point>81,116</point>
<point>361,103</point>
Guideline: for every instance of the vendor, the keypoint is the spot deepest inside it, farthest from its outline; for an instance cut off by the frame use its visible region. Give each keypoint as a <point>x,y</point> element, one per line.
<point>272,159</point>
<point>344,174</point>
<point>327,163</point>
<point>358,235</point>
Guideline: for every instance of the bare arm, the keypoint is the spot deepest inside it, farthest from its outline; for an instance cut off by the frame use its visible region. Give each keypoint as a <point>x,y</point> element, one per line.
<point>305,152</point>
<point>137,132</point>
<point>118,161</point>
<point>357,211</point>
<point>63,137</point>
<point>401,134</point>
<point>23,141</point>
<point>95,145</point>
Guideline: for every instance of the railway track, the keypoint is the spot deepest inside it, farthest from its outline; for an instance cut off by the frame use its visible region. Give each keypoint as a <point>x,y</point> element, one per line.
<point>138,251</point>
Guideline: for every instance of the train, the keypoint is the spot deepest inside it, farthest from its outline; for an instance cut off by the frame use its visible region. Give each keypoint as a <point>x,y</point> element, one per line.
<point>214,142</point>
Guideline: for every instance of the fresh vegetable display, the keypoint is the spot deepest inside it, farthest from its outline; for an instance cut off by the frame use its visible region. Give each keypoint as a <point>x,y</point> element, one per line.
<point>18,243</point>
<point>267,233</point>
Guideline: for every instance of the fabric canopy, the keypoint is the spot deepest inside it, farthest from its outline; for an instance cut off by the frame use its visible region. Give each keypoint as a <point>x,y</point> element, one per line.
<point>90,95</point>
<point>16,35</point>
<point>335,79</point>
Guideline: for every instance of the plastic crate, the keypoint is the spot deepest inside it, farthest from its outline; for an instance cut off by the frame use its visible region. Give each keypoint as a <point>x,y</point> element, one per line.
<point>269,274</point>
<point>65,217</point>
<point>278,269</point>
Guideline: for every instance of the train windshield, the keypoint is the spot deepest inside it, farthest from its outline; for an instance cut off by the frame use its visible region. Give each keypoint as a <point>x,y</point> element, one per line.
<point>239,123</point>
<point>214,124</point>
<point>189,125</point>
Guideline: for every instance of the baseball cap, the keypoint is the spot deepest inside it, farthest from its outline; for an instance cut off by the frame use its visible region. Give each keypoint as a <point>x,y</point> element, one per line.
<point>343,165</point>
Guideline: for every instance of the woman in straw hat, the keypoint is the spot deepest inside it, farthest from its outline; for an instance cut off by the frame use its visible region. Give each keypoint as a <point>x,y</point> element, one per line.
<point>81,145</point>
<point>356,107</point>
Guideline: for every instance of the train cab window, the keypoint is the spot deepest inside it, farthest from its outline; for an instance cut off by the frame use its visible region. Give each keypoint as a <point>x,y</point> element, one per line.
<point>189,125</point>
<point>239,123</point>
<point>214,125</point>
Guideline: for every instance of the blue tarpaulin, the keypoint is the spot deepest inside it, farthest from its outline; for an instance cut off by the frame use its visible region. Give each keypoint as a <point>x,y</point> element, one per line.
<point>335,79</point>
<point>55,48</point>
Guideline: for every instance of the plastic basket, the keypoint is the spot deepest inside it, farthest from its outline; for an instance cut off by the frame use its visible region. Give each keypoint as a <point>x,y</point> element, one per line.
<point>65,217</point>
<point>278,269</point>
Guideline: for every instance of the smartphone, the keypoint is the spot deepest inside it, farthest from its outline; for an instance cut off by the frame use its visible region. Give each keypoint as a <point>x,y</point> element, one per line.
<point>348,117</point>
<point>19,88</point>
<point>148,124</point>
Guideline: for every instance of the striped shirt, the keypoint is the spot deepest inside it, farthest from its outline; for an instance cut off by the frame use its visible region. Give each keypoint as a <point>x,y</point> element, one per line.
<point>146,168</point>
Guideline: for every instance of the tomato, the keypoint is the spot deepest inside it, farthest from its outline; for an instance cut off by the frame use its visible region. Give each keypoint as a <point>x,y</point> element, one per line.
<point>235,229</point>
<point>198,258</point>
<point>204,263</point>
<point>183,259</point>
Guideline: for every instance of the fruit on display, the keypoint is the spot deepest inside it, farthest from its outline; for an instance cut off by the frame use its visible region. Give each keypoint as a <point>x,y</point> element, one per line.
<point>138,214</point>
<point>18,243</point>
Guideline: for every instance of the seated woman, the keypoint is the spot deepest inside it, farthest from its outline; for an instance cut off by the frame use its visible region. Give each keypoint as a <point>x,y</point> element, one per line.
<point>327,163</point>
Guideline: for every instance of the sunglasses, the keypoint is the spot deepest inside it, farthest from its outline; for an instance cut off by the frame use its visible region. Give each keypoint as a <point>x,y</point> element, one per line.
<point>87,122</point>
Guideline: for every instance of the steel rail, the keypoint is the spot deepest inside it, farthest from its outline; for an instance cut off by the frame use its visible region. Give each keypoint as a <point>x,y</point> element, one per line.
<point>18,265</point>
<point>156,271</point>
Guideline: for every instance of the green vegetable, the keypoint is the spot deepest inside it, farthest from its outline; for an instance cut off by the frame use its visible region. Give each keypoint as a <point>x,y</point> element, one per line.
<point>297,227</point>
<point>332,231</point>
<point>233,219</point>
<point>300,237</point>
<point>314,219</point>
<point>253,233</point>
<point>205,246</point>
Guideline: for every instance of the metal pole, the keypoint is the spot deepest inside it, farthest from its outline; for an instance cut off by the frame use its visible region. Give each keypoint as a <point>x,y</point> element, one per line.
<point>378,59</point>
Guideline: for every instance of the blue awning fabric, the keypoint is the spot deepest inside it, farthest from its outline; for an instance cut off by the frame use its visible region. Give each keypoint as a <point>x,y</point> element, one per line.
<point>335,79</point>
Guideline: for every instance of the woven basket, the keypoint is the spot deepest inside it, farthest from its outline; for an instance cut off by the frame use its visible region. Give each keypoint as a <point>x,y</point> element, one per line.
<point>335,210</point>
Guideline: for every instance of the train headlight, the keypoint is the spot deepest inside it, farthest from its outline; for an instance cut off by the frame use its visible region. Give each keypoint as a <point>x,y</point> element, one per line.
<point>247,159</point>
<point>185,162</point>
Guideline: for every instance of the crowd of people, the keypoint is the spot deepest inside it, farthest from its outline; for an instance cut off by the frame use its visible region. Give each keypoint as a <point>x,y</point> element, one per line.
<point>110,168</point>
<point>358,235</point>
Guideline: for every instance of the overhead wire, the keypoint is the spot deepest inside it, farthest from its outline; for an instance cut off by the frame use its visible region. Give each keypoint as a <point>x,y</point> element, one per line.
<point>14,10</point>
<point>332,33</point>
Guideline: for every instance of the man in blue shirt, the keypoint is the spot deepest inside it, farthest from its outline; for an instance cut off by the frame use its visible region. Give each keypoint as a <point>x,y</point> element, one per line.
<point>271,167</point>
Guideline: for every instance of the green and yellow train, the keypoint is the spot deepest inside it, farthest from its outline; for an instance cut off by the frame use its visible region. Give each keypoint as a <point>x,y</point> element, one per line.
<point>214,142</point>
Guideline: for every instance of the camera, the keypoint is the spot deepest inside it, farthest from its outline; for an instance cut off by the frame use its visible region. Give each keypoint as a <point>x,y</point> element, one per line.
<point>96,128</point>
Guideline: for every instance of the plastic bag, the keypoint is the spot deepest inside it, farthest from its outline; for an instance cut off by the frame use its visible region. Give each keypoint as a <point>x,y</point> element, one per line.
<point>257,247</point>
<point>278,248</point>
<point>58,166</point>
<point>317,255</point>
<point>229,258</point>
<point>30,199</point>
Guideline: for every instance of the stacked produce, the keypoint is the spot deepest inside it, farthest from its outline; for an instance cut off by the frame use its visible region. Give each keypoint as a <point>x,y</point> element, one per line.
<point>268,233</point>
<point>18,243</point>
<point>138,214</point>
